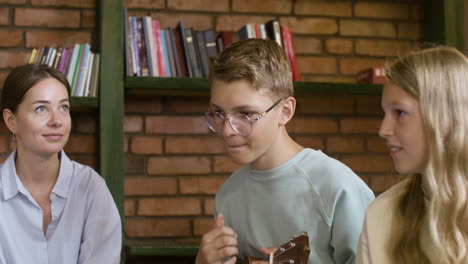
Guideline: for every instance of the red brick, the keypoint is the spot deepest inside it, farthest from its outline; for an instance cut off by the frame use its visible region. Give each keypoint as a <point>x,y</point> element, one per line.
<point>129,207</point>
<point>277,7</point>
<point>146,4</point>
<point>376,48</point>
<point>176,125</point>
<point>4,16</point>
<point>224,164</point>
<point>367,28</point>
<point>3,76</point>
<point>169,206</point>
<point>81,144</point>
<point>187,104</point>
<point>13,2</point>
<point>4,141</point>
<point>11,59</point>
<point>323,8</point>
<point>382,183</point>
<point>150,185</point>
<point>345,144</point>
<point>195,21</point>
<point>146,145</point>
<point>200,185</point>
<point>381,10</point>
<point>85,124</point>
<point>209,206</point>
<point>319,65</point>
<point>202,226</point>
<point>339,46</point>
<point>368,105</point>
<point>36,39</point>
<point>201,5</point>
<point>376,144</point>
<point>416,12</point>
<point>178,165</point>
<point>311,142</point>
<point>135,164</point>
<point>11,38</point>
<point>355,65</point>
<point>329,79</point>
<point>307,45</point>
<point>89,160</point>
<point>145,105</point>
<point>212,145</point>
<point>234,23</point>
<point>305,25</point>
<point>65,3</point>
<point>38,17</point>
<point>133,124</point>
<point>325,104</point>
<point>413,31</point>
<point>145,228</point>
<point>314,125</point>
<point>360,125</point>
<point>88,18</point>
<point>369,163</point>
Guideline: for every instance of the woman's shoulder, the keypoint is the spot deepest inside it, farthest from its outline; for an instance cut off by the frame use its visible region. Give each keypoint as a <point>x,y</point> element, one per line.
<point>385,202</point>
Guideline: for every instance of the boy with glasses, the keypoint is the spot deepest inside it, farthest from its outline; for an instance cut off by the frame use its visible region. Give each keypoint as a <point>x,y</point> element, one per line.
<point>284,188</point>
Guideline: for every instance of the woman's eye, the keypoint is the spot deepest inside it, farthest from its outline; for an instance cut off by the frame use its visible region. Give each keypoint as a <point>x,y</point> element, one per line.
<point>65,107</point>
<point>40,109</point>
<point>400,113</point>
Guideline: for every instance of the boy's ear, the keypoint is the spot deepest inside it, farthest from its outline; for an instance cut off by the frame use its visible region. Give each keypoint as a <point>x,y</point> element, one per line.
<point>9,119</point>
<point>287,111</point>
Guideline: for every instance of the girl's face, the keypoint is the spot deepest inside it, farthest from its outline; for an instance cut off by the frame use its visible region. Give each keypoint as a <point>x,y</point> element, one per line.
<point>42,121</point>
<point>402,128</point>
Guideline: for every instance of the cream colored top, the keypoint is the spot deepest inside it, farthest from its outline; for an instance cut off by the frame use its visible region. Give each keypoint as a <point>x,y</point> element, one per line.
<point>374,242</point>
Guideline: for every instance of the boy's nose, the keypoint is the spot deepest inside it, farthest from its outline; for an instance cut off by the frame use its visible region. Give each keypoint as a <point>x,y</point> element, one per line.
<point>227,129</point>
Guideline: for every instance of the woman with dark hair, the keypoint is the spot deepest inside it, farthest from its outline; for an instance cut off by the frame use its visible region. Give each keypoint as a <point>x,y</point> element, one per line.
<point>52,209</point>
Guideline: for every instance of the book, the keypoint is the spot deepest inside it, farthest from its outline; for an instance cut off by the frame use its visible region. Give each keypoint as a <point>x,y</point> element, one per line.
<point>165,51</point>
<point>81,75</point>
<point>192,56</point>
<point>71,66</point>
<point>246,32</point>
<point>32,58</point>
<point>374,75</point>
<point>201,47</point>
<point>180,48</point>
<point>162,72</point>
<point>89,68</point>
<point>95,76</point>
<point>210,43</point>
<point>58,57</point>
<point>136,50</point>
<point>76,69</point>
<point>150,46</point>
<point>142,51</point>
<point>171,42</point>
<point>289,49</point>
<point>40,51</point>
<point>63,60</point>
<point>128,43</point>
<point>273,31</point>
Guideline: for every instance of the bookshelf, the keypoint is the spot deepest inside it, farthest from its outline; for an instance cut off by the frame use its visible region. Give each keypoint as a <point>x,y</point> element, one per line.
<point>114,86</point>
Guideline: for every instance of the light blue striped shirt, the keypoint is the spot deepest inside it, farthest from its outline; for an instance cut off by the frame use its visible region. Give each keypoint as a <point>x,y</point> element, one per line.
<point>85,226</point>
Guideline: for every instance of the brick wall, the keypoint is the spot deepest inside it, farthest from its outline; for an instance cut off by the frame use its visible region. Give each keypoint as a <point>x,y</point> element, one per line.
<point>173,164</point>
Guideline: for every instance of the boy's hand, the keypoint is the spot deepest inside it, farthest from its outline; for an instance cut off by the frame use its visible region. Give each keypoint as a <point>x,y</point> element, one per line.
<point>218,246</point>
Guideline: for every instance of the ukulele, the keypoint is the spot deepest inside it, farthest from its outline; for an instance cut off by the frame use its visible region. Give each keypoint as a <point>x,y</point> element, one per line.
<point>296,251</point>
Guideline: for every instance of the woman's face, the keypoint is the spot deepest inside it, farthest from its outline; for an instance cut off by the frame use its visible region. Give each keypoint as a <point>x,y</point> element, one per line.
<point>42,121</point>
<point>402,128</point>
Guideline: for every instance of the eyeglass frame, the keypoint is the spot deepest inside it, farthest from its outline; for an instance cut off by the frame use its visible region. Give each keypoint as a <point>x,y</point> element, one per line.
<point>223,117</point>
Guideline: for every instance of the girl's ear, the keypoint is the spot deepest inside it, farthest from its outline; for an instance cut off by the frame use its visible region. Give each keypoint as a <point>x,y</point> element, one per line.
<point>10,120</point>
<point>287,110</point>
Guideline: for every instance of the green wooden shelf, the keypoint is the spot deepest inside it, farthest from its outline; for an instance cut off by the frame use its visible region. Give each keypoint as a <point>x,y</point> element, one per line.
<point>161,250</point>
<point>84,102</point>
<point>196,86</point>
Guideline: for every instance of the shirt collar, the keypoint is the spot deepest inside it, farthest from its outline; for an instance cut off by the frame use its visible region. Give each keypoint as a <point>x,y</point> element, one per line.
<point>10,180</point>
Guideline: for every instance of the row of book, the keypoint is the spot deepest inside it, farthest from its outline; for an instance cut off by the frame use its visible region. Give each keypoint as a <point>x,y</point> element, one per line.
<point>184,52</point>
<point>78,63</point>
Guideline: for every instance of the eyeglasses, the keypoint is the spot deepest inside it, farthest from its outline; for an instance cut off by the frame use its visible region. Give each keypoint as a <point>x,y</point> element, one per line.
<point>240,123</point>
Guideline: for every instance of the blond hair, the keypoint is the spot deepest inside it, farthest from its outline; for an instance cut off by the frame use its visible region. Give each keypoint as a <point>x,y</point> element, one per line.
<point>438,79</point>
<point>261,62</point>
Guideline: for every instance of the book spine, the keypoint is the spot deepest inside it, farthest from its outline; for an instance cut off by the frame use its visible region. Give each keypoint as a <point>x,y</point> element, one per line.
<point>150,47</point>
<point>167,64</point>
<point>79,59</point>
<point>144,63</point>
<point>136,50</point>
<point>58,57</point>
<point>127,43</point>
<point>63,60</point>
<point>289,49</point>
<point>201,47</point>
<point>72,63</point>
<point>176,71</point>
<point>37,60</point>
<point>159,49</point>
<point>89,68</point>
<point>80,79</point>
<point>95,82</point>
<point>183,70</point>
<point>33,56</point>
